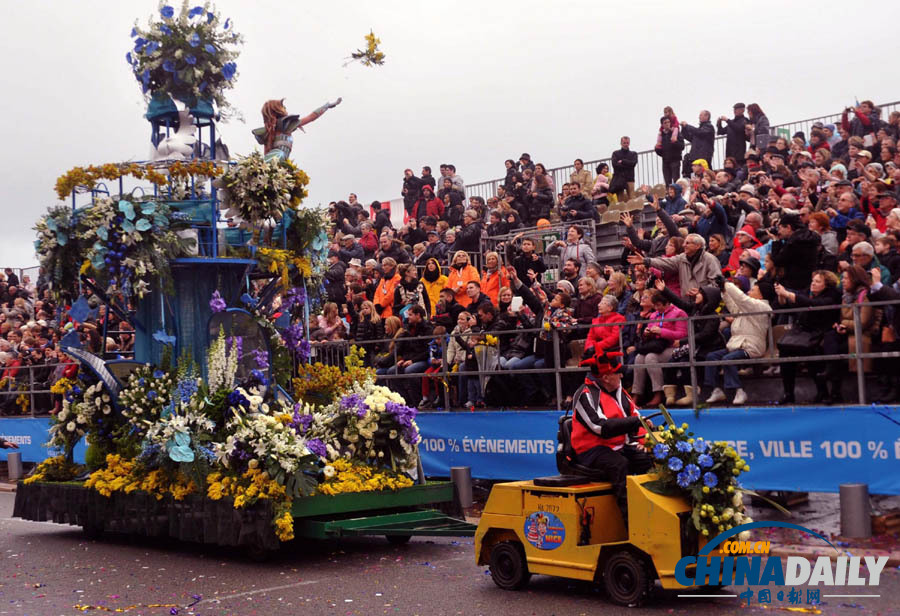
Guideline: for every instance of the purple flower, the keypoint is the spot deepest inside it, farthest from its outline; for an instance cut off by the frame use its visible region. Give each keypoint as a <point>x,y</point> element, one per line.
<point>229,70</point>
<point>191,59</point>
<point>209,48</point>
<point>217,304</point>
<point>317,447</point>
<point>235,345</point>
<point>167,11</point>
<point>304,351</point>
<point>300,423</point>
<point>195,12</point>
<point>294,296</point>
<point>261,358</point>
<point>194,40</point>
<point>169,66</point>
<point>355,402</point>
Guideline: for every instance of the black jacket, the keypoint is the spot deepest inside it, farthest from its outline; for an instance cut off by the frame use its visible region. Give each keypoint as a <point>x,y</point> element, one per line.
<point>382,220</point>
<point>334,283</point>
<point>818,320</point>
<point>354,252</point>
<point>797,256</point>
<point>414,350</point>
<point>668,151</point>
<point>623,164</point>
<point>702,138</point>
<point>655,247</point>
<point>523,262</point>
<point>412,187</point>
<point>446,314</point>
<point>468,238</point>
<point>736,137</point>
<point>396,252</point>
<point>707,337</point>
<point>584,208</point>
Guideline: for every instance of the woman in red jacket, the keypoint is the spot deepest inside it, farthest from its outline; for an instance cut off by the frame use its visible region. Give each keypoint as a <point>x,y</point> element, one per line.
<point>604,332</point>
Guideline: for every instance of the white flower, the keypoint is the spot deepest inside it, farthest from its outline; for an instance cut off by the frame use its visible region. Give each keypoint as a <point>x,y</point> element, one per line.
<point>70,426</point>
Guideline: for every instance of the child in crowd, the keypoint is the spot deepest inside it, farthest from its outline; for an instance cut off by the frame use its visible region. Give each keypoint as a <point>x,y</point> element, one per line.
<point>434,369</point>
<point>668,114</point>
<point>461,352</point>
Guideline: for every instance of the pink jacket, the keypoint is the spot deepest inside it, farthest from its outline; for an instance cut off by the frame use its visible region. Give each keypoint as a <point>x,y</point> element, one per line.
<point>671,330</point>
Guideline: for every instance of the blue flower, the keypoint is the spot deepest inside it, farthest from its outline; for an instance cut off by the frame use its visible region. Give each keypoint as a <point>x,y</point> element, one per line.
<point>675,464</point>
<point>209,48</point>
<point>683,446</point>
<point>151,47</point>
<point>710,480</point>
<point>158,374</point>
<point>145,76</point>
<point>259,376</point>
<point>129,59</point>
<point>134,32</point>
<point>317,447</point>
<point>700,446</point>
<point>191,59</point>
<point>229,70</point>
<point>139,42</point>
<point>705,460</point>
<point>194,40</point>
<point>169,66</point>
<point>227,23</point>
<point>660,451</point>
<point>165,29</point>
<point>203,85</point>
<point>683,480</point>
<point>142,381</point>
<point>195,12</point>
<point>152,395</point>
<point>167,11</point>
<point>209,17</point>
<point>693,472</point>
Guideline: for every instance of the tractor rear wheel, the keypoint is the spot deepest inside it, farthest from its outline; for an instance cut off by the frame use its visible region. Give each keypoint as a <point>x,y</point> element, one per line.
<point>627,578</point>
<point>509,569</point>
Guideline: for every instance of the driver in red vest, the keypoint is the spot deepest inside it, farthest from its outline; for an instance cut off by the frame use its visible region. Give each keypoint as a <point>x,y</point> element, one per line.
<point>606,431</point>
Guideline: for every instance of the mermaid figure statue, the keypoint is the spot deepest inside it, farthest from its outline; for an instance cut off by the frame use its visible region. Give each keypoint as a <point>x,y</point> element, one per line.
<point>275,136</point>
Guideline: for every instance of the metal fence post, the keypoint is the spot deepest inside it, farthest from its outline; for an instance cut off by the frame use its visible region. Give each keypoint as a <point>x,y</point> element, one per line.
<point>857,349</point>
<point>444,376</point>
<point>556,375</point>
<point>692,367</point>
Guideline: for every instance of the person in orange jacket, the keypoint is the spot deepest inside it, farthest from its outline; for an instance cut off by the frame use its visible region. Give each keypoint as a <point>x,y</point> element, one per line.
<point>494,277</point>
<point>462,272</point>
<point>384,292</point>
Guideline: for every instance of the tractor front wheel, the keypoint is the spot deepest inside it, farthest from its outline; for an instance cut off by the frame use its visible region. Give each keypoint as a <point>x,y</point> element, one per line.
<point>627,578</point>
<point>509,569</point>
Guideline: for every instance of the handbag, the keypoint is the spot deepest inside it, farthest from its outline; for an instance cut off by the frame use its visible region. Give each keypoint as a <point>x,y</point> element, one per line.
<point>652,345</point>
<point>797,341</point>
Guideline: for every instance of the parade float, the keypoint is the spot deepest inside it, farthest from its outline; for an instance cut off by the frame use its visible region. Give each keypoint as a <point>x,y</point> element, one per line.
<point>218,430</point>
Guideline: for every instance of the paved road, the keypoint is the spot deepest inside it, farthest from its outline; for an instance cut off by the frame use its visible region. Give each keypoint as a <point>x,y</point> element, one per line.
<point>48,569</point>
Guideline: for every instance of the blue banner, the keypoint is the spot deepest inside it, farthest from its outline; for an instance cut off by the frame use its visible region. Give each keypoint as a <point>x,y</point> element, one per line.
<point>799,449</point>
<point>30,434</point>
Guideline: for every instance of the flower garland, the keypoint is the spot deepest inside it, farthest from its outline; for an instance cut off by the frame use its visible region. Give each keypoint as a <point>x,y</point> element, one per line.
<point>157,173</point>
<point>280,262</point>
<point>58,247</point>
<point>188,56</point>
<point>256,190</point>
<point>344,476</point>
<point>703,471</point>
<point>56,468</point>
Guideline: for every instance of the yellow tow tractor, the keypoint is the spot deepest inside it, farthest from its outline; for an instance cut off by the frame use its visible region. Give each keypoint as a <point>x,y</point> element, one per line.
<point>570,526</point>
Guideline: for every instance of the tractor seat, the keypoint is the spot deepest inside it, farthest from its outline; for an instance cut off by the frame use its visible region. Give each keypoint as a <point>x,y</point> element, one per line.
<point>566,456</point>
<point>559,481</point>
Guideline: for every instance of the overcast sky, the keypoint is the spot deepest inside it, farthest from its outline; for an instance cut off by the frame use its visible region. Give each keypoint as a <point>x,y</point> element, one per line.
<point>471,83</point>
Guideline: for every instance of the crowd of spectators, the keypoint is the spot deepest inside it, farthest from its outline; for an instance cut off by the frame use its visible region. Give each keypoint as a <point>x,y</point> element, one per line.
<point>800,222</point>
<point>30,335</point>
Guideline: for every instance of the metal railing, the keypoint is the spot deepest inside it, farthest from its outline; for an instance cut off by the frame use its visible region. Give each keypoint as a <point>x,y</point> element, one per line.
<point>37,393</point>
<point>649,167</point>
<point>332,353</point>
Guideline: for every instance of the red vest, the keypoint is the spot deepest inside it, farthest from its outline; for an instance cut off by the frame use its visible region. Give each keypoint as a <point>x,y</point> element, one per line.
<point>584,439</point>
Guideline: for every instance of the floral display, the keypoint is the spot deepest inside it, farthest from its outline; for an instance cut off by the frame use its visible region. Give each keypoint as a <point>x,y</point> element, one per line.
<point>126,476</point>
<point>318,383</point>
<point>256,190</point>
<point>56,468</point>
<point>188,54</point>
<point>249,488</point>
<point>147,392</point>
<point>705,472</point>
<point>58,247</point>
<point>129,243</point>
<point>342,476</point>
<point>83,409</point>
<point>371,55</point>
<point>62,386</point>
<point>281,262</point>
<point>160,174</point>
